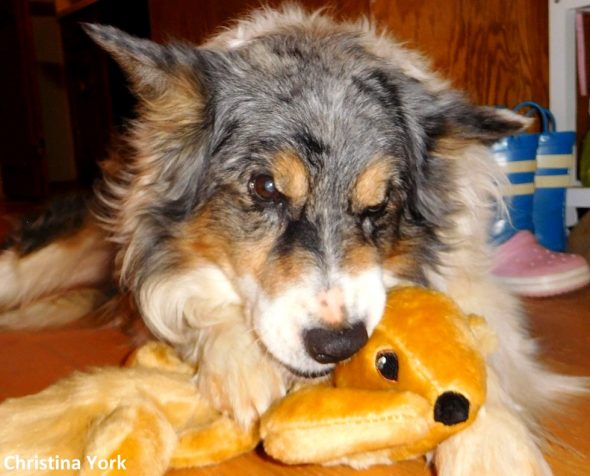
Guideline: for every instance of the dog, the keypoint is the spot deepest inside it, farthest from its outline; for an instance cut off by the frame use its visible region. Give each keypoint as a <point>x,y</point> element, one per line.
<point>276,181</point>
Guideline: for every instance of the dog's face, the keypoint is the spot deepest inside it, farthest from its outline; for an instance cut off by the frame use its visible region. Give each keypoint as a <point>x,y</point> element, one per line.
<point>302,166</point>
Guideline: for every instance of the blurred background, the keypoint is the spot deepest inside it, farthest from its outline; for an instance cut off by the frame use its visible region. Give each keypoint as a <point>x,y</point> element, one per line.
<point>61,99</point>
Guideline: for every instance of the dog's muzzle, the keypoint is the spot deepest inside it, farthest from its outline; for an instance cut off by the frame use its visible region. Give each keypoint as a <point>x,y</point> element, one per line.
<point>329,346</point>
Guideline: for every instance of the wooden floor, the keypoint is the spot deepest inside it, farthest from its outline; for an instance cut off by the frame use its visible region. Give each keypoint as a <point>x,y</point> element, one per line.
<point>31,361</point>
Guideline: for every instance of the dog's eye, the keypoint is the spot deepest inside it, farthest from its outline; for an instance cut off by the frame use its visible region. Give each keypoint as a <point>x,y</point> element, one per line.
<point>263,188</point>
<point>375,210</point>
<point>387,364</point>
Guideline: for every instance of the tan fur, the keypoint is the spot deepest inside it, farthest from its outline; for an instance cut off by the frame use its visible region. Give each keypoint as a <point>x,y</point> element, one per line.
<point>285,271</point>
<point>175,113</point>
<point>291,177</point>
<point>399,262</point>
<point>358,258</point>
<point>199,241</point>
<point>202,242</point>
<point>371,185</point>
<point>452,146</point>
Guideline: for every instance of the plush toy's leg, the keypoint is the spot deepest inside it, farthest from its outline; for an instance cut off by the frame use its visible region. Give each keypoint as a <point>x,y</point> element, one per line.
<point>210,438</point>
<point>134,440</point>
<point>216,442</point>
<point>321,424</point>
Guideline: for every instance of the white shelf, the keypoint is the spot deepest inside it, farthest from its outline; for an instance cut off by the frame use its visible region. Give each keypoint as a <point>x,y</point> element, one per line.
<point>562,82</point>
<point>578,197</point>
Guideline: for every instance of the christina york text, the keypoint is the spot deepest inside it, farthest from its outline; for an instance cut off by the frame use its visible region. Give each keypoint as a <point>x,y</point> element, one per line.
<point>56,463</point>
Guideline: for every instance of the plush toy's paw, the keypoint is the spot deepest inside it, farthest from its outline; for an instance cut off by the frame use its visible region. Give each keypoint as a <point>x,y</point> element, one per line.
<point>136,440</point>
<point>497,443</point>
<point>237,377</point>
<point>214,443</point>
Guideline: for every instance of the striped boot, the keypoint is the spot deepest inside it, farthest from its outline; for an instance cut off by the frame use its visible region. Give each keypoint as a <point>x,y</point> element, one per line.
<point>520,262</point>
<point>554,161</point>
<point>517,157</point>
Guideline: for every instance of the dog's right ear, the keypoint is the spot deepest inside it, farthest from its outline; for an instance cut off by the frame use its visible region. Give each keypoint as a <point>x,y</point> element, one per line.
<point>151,68</point>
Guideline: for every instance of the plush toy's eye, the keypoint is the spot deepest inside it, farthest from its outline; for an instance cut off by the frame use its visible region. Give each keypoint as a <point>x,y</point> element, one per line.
<point>387,364</point>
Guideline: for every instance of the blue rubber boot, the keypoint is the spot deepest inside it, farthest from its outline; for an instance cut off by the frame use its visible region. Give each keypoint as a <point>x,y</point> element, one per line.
<point>517,157</point>
<point>554,161</point>
<point>537,167</point>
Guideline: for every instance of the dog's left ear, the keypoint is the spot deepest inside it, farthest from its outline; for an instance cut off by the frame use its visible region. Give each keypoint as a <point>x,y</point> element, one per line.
<point>154,69</point>
<point>483,124</point>
<point>449,115</point>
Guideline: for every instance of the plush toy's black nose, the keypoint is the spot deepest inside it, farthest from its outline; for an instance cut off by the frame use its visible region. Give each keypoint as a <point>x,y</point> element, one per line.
<point>451,408</point>
<point>328,346</point>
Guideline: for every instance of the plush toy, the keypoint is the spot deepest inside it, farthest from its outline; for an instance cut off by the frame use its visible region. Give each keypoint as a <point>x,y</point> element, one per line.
<point>137,421</point>
<point>420,378</point>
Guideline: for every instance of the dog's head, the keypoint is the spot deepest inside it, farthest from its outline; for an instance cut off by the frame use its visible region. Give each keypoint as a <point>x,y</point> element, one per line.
<point>304,165</point>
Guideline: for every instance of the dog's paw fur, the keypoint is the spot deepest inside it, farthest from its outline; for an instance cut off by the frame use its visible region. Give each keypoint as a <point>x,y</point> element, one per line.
<point>237,376</point>
<point>497,444</point>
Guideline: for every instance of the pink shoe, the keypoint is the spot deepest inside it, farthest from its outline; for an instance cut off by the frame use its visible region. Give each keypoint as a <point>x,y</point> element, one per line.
<point>529,269</point>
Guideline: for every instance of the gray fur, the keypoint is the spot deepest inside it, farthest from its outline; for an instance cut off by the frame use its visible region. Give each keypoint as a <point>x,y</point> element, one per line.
<point>329,99</point>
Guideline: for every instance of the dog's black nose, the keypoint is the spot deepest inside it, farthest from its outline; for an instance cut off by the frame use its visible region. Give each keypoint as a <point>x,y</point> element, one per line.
<point>328,346</point>
<point>451,408</point>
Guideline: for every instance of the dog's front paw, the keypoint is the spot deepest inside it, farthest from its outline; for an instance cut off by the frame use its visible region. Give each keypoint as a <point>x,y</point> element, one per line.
<point>237,376</point>
<point>497,444</point>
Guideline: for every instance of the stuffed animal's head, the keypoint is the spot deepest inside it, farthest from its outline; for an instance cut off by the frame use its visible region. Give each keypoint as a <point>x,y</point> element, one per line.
<point>420,378</point>
<point>425,345</point>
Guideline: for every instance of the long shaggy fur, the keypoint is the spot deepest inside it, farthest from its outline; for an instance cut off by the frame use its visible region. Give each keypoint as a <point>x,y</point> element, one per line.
<point>277,180</point>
